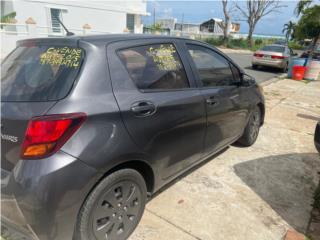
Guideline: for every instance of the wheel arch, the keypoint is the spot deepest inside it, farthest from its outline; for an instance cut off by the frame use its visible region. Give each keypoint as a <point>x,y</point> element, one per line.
<point>142,167</point>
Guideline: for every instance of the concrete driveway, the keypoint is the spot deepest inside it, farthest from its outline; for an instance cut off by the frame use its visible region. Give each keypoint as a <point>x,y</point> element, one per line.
<point>248,193</point>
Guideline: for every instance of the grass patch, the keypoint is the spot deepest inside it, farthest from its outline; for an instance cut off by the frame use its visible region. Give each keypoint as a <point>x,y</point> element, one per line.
<point>240,43</point>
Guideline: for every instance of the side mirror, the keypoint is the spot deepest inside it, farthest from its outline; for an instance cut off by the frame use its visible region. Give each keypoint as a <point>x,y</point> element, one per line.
<point>248,80</point>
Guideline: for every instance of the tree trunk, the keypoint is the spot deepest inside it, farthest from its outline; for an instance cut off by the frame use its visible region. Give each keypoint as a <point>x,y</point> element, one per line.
<point>226,23</point>
<point>250,40</point>
<point>225,37</point>
<point>314,43</point>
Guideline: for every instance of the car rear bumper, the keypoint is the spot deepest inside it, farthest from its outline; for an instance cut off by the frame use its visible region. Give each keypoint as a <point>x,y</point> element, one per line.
<point>41,198</point>
<point>269,63</point>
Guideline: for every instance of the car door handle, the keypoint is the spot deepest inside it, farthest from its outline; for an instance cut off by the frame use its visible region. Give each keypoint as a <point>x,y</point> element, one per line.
<point>212,101</point>
<point>143,108</point>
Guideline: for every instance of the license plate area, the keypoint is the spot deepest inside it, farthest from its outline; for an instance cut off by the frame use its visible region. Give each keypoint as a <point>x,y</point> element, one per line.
<point>267,57</point>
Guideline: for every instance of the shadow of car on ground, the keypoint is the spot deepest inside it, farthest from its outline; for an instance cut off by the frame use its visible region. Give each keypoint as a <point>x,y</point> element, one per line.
<point>286,183</point>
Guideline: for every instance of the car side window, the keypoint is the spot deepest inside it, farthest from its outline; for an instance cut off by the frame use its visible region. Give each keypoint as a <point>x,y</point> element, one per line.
<point>213,69</point>
<point>156,66</point>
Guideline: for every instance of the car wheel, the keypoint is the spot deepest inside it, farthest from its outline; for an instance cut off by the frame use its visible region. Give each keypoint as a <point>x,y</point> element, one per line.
<point>285,68</point>
<point>251,131</point>
<point>254,66</point>
<point>114,207</point>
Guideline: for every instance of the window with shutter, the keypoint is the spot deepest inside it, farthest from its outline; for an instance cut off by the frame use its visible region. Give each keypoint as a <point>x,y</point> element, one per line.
<point>55,25</point>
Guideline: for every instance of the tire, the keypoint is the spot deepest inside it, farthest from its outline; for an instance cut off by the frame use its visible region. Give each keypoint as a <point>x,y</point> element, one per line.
<point>251,131</point>
<point>254,66</point>
<point>114,207</point>
<point>285,69</point>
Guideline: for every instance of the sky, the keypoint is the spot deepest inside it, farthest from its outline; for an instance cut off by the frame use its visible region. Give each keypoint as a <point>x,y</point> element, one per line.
<point>200,11</point>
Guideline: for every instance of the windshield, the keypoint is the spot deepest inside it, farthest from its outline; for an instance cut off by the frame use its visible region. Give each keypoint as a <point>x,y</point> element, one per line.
<point>39,73</point>
<point>270,48</point>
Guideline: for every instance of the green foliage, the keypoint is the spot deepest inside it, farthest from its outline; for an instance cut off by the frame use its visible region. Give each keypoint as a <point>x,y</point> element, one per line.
<point>301,6</point>
<point>258,41</point>
<point>241,43</point>
<point>295,45</point>
<point>214,41</point>
<point>8,17</point>
<point>309,23</point>
<point>238,43</point>
<point>156,27</point>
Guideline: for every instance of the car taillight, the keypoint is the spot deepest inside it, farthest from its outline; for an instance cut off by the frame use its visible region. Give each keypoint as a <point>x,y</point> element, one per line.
<point>258,55</point>
<point>277,57</point>
<point>45,135</point>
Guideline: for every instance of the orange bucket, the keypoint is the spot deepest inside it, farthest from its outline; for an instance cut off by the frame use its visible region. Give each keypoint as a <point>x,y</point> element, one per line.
<point>298,72</point>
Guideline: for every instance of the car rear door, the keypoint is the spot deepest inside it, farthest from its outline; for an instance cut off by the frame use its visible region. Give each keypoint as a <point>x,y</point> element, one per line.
<point>160,105</point>
<point>227,111</point>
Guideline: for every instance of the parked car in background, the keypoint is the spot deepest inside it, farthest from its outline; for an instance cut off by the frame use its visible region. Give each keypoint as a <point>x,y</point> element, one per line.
<point>317,137</point>
<point>273,55</point>
<point>93,125</point>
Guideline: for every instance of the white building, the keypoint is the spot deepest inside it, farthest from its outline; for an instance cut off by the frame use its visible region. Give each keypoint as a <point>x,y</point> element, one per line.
<point>80,17</point>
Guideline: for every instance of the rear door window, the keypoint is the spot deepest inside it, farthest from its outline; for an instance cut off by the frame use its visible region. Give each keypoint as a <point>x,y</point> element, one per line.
<point>156,66</point>
<point>40,73</point>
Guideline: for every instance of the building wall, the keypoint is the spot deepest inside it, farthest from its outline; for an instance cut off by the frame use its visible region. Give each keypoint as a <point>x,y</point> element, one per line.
<point>104,16</point>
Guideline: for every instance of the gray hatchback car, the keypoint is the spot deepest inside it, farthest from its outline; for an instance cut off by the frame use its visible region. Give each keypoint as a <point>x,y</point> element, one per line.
<point>92,126</point>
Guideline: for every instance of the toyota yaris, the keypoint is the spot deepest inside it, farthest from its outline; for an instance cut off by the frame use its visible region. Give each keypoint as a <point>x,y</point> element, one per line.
<point>92,126</point>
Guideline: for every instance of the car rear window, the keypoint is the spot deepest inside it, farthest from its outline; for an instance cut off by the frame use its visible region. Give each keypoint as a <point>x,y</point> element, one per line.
<point>279,49</point>
<point>40,73</point>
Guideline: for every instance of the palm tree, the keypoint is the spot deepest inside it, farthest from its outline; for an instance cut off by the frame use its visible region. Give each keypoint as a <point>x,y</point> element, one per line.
<point>289,28</point>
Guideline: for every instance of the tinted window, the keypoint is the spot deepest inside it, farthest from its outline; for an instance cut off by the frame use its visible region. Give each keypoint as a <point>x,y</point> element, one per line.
<point>154,67</point>
<point>39,73</point>
<point>213,69</point>
<point>270,48</point>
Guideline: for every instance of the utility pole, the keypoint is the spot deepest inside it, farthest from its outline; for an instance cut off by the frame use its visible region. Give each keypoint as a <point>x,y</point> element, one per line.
<point>154,16</point>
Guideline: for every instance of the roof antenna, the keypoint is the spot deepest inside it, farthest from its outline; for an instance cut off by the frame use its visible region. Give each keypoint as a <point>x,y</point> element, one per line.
<point>64,27</point>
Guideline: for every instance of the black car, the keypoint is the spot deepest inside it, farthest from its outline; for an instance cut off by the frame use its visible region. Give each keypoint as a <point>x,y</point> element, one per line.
<point>317,137</point>
<point>93,125</point>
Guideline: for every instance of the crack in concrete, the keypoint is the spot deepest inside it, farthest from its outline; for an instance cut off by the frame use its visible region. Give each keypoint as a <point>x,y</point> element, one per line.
<point>174,225</point>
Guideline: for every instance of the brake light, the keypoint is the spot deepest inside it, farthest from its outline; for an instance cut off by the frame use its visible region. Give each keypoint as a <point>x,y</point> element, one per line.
<point>277,57</point>
<point>45,135</point>
<point>258,55</point>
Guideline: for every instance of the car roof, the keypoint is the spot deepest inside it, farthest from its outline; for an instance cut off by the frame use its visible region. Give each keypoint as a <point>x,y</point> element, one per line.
<point>98,38</point>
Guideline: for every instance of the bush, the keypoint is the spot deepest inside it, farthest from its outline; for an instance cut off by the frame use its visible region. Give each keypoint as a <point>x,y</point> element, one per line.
<point>258,41</point>
<point>295,45</point>
<point>237,43</point>
<point>214,41</point>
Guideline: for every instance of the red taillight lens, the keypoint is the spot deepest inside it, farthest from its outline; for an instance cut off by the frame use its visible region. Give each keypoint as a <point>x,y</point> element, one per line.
<point>277,57</point>
<point>45,135</point>
<point>258,55</point>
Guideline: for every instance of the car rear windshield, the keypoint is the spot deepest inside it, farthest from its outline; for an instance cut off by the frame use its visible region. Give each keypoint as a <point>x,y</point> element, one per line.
<point>40,73</point>
<point>279,49</point>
